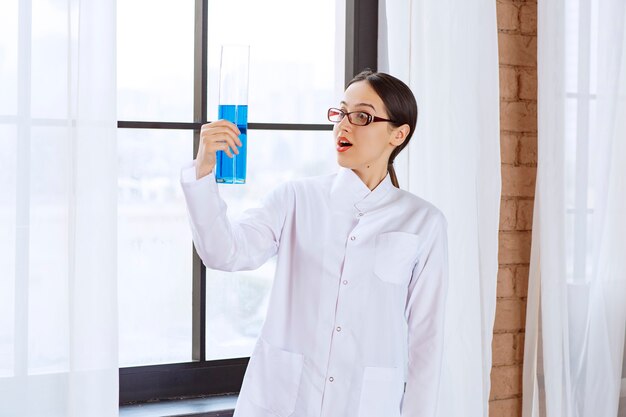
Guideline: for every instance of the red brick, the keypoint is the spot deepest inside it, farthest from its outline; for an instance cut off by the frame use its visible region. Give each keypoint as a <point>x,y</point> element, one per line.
<point>521,281</point>
<point>528,150</point>
<point>507,16</point>
<point>506,382</point>
<point>508,83</point>
<point>518,116</point>
<point>506,282</point>
<point>524,215</point>
<point>508,214</point>
<point>511,407</point>
<point>519,50</point>
<point>528,19</point>
<point>509,144</point>
<point>503,349</point>
<point>508,315</point>
<point>519,347</point>
<point>518,181</point>
<point>527,84</point>
<point>514,248</point>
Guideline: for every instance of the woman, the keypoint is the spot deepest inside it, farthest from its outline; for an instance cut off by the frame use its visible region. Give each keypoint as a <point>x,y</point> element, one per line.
<point>355,320</point>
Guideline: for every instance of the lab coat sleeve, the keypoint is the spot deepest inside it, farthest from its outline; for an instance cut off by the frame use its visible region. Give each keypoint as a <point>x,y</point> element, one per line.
<point>241,244</point>
<point>425,317</point>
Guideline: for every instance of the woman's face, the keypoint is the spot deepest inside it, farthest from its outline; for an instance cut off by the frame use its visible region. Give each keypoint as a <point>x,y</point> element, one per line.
<point>372,144</point>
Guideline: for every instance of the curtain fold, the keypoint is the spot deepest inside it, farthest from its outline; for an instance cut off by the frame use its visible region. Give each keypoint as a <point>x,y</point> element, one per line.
<point>576,315</point>
<point>447,52</point>
<point>58,209</point>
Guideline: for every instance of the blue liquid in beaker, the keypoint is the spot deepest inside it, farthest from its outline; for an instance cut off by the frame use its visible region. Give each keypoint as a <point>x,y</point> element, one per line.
<point>233,170</point>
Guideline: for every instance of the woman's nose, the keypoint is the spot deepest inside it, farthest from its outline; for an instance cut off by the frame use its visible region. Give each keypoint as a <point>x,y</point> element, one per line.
<point>344,124</point>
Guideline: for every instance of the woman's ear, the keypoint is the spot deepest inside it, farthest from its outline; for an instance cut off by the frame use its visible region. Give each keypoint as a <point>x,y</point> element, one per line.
<point>400,134</point>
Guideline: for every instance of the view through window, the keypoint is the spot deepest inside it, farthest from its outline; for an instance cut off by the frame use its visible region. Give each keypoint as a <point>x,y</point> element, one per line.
<point>296,72</point>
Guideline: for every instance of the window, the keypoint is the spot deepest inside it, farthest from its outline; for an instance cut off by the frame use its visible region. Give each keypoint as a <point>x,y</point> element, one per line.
<point>184,330</point>
<point>580,117</point>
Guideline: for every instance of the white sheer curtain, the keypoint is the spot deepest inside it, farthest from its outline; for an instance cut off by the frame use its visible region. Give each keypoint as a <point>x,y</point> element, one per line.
<point>574,345</point>
<point>447,51</point>
<point>58,311</point>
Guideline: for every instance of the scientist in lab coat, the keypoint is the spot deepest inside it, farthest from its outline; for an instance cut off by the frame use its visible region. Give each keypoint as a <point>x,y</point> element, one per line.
<point>355,321</point>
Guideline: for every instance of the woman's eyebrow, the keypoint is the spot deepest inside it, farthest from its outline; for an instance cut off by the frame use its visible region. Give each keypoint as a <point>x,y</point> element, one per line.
<point>360,104</point>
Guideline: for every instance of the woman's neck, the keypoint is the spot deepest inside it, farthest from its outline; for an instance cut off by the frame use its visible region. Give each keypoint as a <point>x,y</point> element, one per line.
<point>371,175</point>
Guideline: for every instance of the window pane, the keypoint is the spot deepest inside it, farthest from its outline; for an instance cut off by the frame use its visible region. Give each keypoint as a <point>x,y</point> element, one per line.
<point>155,60</point>
<point>8,185</point>
<point>8,57</point>
<point>50,179</point>
<point>296,56</point>
<point>36,269</point>
<point>154,247</point>
<point>50,48</point>
<point>237,302</point>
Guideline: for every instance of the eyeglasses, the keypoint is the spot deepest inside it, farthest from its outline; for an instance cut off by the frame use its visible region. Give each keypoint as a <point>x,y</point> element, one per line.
<point>358,118</point>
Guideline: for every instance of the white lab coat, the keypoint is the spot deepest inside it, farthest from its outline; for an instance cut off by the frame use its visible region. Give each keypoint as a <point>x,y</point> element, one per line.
<point>354,326</point>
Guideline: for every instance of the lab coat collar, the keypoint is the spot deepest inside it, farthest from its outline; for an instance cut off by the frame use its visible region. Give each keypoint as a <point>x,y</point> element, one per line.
<point>348,191</point>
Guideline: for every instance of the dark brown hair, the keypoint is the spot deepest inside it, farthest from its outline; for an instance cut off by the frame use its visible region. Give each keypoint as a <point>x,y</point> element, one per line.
<point>399,103</point>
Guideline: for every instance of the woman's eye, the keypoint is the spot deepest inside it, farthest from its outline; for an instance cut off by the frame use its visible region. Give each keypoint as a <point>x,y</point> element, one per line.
<point>361,116</point>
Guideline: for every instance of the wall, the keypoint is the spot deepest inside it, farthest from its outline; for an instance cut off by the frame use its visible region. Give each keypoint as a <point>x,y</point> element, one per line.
<point>517,38</point>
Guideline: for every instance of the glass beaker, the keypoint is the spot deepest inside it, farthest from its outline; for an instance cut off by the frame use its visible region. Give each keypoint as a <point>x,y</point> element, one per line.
<point>233,106</point>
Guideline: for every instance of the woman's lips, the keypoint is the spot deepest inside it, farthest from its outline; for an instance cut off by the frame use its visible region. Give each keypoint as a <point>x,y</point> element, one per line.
<point>343,144</point>
<point>342,148</point>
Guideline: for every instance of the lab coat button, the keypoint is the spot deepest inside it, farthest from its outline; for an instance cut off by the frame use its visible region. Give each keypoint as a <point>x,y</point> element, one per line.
<point>345,282</point>
<point>331,379</point>
<point>339,328</point>
<point>352,237</point>
<point>360,214</point>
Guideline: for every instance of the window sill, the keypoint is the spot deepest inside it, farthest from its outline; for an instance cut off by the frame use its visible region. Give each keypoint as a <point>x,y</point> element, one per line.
<point>217,406</point>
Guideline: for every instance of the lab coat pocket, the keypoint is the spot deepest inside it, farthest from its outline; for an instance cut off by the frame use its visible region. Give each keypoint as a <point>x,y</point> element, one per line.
<point>275,378</point>
<point>381,392</point>
<point>395,256</point>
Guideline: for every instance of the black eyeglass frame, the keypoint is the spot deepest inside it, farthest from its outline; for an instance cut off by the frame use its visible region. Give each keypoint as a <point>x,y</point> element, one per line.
<point>370,118</point>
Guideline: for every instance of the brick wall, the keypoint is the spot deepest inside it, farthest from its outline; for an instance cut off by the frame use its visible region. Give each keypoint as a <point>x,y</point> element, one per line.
<point>517,39</point>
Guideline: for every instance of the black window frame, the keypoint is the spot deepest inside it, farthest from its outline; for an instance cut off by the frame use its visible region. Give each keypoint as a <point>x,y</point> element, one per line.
<point>219,377</point>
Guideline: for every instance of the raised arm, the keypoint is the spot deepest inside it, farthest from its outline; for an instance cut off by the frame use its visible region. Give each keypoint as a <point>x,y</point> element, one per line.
<point>243,244</point>
<point>233,245</point>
